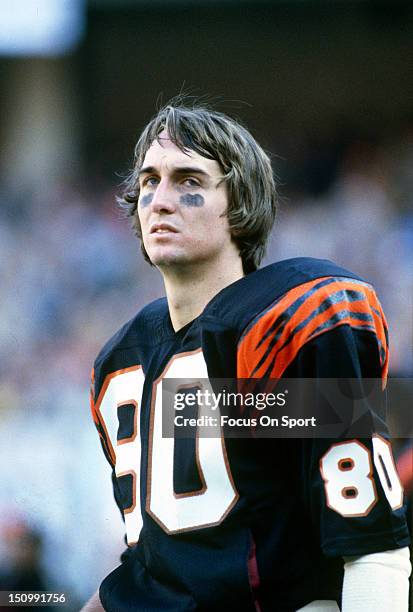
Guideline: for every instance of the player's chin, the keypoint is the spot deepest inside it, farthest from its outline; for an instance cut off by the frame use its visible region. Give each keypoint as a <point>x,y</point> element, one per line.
<point>167,257</point>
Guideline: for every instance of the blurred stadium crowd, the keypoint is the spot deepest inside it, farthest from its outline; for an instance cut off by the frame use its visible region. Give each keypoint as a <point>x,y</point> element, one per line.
<point>72,274</point>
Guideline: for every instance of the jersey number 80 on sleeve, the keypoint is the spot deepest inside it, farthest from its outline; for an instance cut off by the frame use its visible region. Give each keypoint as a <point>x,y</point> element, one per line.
<point>347,471</point>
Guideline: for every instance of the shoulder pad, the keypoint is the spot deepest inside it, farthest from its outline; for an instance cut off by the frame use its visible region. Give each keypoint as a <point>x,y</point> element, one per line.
<point>240,302</point>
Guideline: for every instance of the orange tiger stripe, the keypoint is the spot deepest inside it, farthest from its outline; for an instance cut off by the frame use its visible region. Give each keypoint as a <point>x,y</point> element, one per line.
<point>258,332</point>
<point>359,306</point>
<point>252,348</point>
<point>287,354</point>
<point>315,300</point>
<point>381,327</point>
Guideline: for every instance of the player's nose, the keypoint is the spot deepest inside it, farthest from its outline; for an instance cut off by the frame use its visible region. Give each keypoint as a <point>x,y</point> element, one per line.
<point>163,198</point>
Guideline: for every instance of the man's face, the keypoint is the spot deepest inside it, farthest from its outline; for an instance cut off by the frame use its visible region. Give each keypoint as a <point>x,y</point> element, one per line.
<point>182,206</point>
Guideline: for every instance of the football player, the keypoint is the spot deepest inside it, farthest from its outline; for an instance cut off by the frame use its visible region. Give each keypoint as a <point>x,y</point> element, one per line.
<point>227,523</point>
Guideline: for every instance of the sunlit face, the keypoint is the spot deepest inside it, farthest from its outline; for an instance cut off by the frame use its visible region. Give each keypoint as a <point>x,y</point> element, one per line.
<point>182,205</point>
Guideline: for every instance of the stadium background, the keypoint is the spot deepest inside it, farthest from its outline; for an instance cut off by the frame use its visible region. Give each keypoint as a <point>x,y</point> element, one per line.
<point>326,86</point>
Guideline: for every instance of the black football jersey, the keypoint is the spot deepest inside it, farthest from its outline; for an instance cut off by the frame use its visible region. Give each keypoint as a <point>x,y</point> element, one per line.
<point>246,524</point>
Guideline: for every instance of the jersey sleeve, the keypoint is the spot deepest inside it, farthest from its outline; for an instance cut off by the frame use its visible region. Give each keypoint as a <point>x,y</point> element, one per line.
<point>335,328</point>
<point>350,484</point>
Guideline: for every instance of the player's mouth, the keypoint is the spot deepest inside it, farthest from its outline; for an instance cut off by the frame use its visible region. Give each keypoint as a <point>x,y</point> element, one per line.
<point>163,228</point>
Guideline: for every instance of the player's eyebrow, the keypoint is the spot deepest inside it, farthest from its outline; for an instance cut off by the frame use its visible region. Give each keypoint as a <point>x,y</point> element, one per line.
<point>178,170</point>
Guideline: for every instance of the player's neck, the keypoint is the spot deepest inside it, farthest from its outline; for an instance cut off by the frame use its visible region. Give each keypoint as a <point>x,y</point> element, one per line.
<point>190,290</point>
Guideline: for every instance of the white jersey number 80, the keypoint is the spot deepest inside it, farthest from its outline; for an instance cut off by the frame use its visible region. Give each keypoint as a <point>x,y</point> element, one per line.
<point>347,471</point>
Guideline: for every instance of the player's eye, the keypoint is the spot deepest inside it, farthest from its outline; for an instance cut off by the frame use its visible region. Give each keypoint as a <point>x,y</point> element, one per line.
<point>191,182</point>
<point>150,181</point>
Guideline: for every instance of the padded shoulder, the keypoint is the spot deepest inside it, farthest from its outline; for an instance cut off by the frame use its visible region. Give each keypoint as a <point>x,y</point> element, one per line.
<point>242,301</point>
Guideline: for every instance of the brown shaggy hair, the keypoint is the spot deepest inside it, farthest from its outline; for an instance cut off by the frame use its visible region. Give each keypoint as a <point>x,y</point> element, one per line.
<point>247,172</point>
